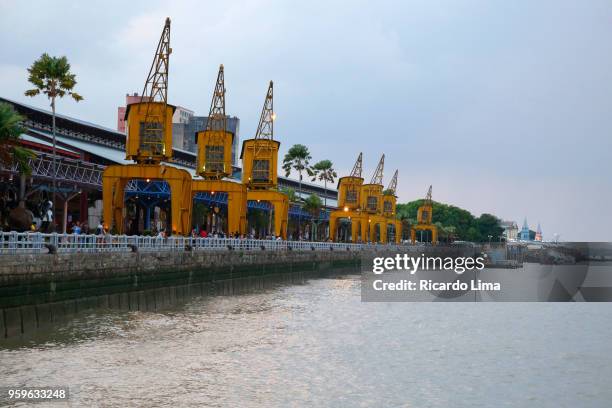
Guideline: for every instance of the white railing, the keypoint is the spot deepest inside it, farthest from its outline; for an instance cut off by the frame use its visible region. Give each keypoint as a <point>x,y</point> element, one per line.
<point>26,242</point>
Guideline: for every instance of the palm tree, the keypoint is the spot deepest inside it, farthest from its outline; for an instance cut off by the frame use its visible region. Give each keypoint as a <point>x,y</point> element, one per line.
<point>297,158</point>
<point>323,171</point>
<point>290,194</point>
<point>52,77</point>
<point>313,205</point>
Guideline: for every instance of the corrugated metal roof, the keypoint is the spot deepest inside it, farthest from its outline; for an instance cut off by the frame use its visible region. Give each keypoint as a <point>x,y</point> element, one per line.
<point>108,153</point>
<point>34,139</point>
<point>82,122</point>
<point>183,151</point>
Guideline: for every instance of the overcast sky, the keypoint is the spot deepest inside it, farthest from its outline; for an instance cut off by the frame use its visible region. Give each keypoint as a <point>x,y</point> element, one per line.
<point>504,106</point>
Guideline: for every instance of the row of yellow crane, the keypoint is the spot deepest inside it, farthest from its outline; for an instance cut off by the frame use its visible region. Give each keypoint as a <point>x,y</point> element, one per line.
<point>371,210</point>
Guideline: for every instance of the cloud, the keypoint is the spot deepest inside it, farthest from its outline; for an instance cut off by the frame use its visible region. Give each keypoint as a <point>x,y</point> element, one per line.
<point>503,106</point>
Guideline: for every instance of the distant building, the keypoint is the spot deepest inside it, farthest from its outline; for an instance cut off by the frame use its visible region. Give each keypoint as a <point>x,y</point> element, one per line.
<point>181,115</point>
<point>129,99</point>
<point>524,235</point>
<point>510,230</point>
<point>538,235</point>
<point>184,127</point>
<point>186,132</point>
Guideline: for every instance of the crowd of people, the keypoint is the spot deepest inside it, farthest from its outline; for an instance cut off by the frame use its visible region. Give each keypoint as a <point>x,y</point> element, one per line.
<point>203,233</point>
<point>42,220</point>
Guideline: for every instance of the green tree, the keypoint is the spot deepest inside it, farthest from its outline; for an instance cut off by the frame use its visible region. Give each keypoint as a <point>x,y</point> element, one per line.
<point>11,128</point>
<point>290,192</point>
<point>51,76</point>
<point>456,222</point>
<point>297,158</point>
<point>313,205</point>
<point>200,214</point>
<point>442,233</point>
<point>323,171</point>
<point>293,199</point>
<point>473,235</point>
<point>489,225</point>
<point>451,231</point>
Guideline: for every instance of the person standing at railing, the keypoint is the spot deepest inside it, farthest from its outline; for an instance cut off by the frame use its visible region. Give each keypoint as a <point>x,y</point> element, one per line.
<point>100,232</point>
<point>161,238</point>
<point>47,222</point>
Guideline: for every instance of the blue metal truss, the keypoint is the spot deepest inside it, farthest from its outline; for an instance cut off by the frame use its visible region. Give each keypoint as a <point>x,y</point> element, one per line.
<point>156,192</point>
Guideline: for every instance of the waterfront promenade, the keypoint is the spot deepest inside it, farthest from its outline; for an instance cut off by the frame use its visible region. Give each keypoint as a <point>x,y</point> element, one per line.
<point>17,243</point>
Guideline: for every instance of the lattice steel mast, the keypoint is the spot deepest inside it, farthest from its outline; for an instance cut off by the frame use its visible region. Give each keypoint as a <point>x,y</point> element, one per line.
<point>377,177</point>
<point>393,184</point>
<point>217,120</point>
<point>357,168</point>
<point>428,200</point>
<point>156,90</point>
<point>265,129</point>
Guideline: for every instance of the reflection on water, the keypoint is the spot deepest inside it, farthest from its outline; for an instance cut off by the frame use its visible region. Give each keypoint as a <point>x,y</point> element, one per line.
<point>317,344</point>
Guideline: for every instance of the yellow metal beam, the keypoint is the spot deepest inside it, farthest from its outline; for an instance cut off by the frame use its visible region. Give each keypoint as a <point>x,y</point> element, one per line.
<point>236,201</point>
<point>280,203</point>
<point>424,227</point>
<point>115,178</point>
<point>360,224</point>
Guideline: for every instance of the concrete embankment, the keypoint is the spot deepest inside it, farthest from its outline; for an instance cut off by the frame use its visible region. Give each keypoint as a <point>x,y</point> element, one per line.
<point>47,277</point>
<point>40,290</point>
<point>37,290</point>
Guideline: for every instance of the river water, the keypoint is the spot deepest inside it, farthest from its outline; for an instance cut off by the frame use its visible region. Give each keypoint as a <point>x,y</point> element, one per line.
<point>317,344</point>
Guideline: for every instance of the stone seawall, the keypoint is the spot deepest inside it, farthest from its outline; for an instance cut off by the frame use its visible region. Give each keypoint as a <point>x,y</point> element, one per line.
<point>37,278</point>
<point>41,290</point>
<point>33,269</point>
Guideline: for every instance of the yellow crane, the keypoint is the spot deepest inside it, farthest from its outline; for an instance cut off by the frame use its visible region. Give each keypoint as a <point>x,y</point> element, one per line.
<point>214,162</point>
<point>260,166</point>
<point>424,219</point>
<point>148,143</point>
<point>394,226</point>
<point>349,206</point>
<point>372,202</point>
